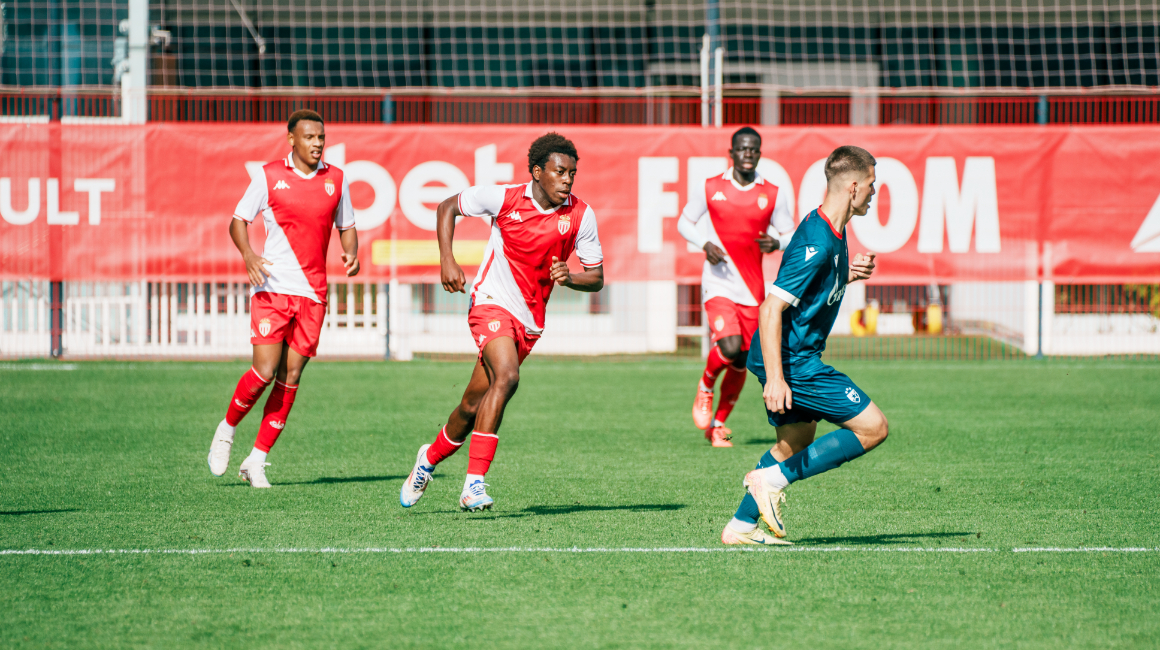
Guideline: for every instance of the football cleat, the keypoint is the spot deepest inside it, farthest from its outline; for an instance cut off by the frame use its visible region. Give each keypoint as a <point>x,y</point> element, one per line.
<point>730,537</point>
<point>474,498</point>
<point>768,500</point>
<point>254,473</point>
<point>703,409</point>
<point>719,436</point>
<point>219,449</point>
<point>417,482</point>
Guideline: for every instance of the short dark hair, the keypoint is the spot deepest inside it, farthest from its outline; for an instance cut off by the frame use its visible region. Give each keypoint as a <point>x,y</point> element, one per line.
<point>745,130</point>
<point>848,158</point>
<point>304,114</point>
<point>545,146</point>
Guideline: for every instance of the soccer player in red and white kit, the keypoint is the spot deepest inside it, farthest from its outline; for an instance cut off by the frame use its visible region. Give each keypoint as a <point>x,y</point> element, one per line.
<point>746,214</point>
<point>534,229</point>
<point>300,199</point>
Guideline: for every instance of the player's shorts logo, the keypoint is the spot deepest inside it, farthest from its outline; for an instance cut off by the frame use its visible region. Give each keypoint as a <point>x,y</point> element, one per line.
<point>493,326</point>
<point>481,338</point>
<point>277,425</point>
<point>564,224</point>
<point>329,185</point>
<point>853,395</point>
<point>719,324</point>
<point>264,327</point>
<point>762,201</point>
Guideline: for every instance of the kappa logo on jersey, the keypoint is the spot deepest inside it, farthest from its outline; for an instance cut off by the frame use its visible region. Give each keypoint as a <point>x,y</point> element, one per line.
<point>853,395</point>
<point>719,324</point>
<point>281,185</point>
<point>762,201</point>
<point>516,216</point>
<point>277,425</point>
<point>329,185</point>
<point>564,224</point>
<point>719,196</point>
<point>264,326</point>
<point>493,326</point>
<point>810,252</point>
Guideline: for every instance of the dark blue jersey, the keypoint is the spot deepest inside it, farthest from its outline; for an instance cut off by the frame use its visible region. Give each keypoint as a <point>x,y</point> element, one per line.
<point>815,270</point>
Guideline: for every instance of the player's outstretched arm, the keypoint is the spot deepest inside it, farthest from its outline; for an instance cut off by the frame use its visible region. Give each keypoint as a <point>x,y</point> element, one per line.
<point>349,240</point>
<point>450,273</point>
<point>778,396</point>
<point>591,279</point>
<point>861,266</point>
<point>255,264</point>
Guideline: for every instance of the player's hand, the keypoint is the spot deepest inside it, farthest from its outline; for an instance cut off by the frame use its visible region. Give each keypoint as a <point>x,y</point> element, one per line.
<point>713,253</point>
<point>778,396</point>
<point>861,266</point>
<point>559,272</point>
<point>255,268</point>
<point>451,274</point>
<point>767,243</point>
<point>351,264</point>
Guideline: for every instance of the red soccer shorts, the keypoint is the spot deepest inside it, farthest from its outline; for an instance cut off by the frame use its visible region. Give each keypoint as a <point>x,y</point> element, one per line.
<point>727,318</point>
<point>490,322</point>
<point>277,317</point>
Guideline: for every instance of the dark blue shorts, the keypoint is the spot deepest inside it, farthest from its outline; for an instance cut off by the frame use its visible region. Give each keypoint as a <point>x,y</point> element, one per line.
<point>819,393</point>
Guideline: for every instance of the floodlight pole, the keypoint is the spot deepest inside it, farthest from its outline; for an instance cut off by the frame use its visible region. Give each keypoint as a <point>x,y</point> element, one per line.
<point>718,81</point>
<point>133,89</point>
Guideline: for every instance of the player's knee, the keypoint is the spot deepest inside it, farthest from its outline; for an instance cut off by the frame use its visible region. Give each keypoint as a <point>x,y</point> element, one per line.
<point>880,430</point>
<point>507,381</point>
<point>730,347</point>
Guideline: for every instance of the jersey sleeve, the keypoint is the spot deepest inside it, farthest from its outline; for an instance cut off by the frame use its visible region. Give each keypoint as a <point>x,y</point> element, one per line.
<point>344,215</point>
<point>781,221</point>
<point>588,241</point>
<point>694,211</point>
<point>253,201</point>
<point>800,264</point>
<point>482,200</point>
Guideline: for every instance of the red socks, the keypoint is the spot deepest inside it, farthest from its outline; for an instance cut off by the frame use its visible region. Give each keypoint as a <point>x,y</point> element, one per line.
<point>274,415</point>
<point>730,390</point>
<point>441,448</point>
<point>713,367</point>
<point>250,388</point>
<point>482,451</point>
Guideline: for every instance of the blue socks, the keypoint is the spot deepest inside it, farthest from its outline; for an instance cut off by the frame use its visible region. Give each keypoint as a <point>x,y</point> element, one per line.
<point>823,455</point>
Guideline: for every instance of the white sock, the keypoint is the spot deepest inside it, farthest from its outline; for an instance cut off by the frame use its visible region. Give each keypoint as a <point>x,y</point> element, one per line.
<point>257,455</point>
<point>703,388</point>
<point>717,423</point>
<point>742,526</point>
<point>471,478</point>
<point>774,478</point>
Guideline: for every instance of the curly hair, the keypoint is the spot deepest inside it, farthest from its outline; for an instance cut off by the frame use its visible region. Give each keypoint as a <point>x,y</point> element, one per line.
<point>302,115</point>
<point>545,146</point>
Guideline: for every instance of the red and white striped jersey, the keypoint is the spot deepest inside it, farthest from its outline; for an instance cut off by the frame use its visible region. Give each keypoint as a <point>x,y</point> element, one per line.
<point>737,215</point>
<point>298,211</point>
<point>515,273</point>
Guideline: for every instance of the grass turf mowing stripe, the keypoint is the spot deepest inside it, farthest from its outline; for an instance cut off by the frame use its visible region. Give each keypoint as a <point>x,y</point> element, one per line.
<point>519,549</point>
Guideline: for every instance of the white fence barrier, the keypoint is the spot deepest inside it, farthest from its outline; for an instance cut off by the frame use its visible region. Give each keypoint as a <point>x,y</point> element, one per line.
<point>367,320</point>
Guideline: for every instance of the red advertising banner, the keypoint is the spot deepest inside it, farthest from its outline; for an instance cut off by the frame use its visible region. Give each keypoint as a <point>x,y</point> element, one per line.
<point>110,202</point>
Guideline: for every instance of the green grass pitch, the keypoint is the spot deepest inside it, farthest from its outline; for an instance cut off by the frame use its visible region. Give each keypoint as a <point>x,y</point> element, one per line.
<point>992,455</point>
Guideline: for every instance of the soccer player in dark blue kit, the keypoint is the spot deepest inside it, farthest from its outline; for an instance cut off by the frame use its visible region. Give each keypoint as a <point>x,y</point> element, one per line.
<point>800,390</point>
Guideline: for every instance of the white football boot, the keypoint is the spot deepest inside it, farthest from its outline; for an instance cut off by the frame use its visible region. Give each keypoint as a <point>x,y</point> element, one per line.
<point>474,497</point>
<point>416,483</point>
<point>219,449</point>
<point>254,472</point>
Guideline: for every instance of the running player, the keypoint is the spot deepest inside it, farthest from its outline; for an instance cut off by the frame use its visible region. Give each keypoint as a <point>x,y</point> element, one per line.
<point>746,214</point>
<point>534,228</point>
<point>300,199</point>
<point>786,354</point>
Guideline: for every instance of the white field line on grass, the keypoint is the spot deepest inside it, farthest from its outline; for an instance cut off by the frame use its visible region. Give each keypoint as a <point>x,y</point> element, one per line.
<point>518,549</point>
<point>38,366</point>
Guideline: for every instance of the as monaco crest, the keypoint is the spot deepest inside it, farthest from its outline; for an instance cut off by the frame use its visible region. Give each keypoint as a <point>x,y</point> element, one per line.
<point>493,326</point>
<point>719,324</point>
<point>264,327</point>
<point>564,224</point>
<point>329,185</point>
<point>762,201</point>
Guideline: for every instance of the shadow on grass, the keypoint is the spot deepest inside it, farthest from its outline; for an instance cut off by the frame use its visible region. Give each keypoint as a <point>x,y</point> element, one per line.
<point>768,442</point>
<point>18,513</point>
<point>882,540</point>
<point>564,510</point>
<point>327,480</point>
